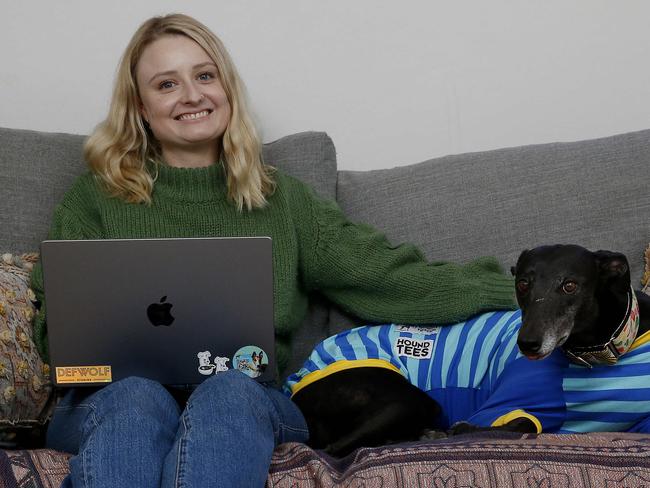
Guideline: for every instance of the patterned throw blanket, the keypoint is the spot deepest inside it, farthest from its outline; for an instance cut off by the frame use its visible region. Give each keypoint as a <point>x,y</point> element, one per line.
<point>507,460</point>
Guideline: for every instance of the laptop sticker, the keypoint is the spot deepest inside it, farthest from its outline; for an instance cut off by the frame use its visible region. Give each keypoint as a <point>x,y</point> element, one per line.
<point>220,364</point>
<point>207,368</point>
<point>251,360</point>
<point>83,374</point>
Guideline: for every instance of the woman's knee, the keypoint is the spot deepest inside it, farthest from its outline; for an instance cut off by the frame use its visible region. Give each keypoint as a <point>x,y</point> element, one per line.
<point>256,410</point>
<point>229,389</point>
<point>135,393</point>
<point>127,402</point>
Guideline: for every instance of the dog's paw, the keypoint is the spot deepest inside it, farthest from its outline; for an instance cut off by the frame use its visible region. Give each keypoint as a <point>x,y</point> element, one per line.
<point>430,435</point>
<point>461,427</point>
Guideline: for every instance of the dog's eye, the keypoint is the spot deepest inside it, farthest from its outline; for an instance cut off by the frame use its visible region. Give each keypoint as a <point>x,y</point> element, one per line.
<point>570,287</point>
<point>522,286</point>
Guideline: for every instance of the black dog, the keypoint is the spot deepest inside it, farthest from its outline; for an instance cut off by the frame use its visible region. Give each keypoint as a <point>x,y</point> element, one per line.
<point>569,297</point>
<point>576,300</point>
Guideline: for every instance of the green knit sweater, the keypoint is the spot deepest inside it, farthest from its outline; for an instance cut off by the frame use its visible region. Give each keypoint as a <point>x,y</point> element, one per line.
<point>314,248</point>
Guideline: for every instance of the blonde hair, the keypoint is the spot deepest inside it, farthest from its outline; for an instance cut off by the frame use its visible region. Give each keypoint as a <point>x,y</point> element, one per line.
<point>119,148</point>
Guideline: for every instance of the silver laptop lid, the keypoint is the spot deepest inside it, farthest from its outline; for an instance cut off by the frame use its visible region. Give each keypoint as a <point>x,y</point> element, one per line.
<point>173,310</point>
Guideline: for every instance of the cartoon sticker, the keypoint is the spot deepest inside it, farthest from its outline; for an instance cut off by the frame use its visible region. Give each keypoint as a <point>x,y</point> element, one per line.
<point>251,360</point>
<point>207,368</point>
<point>220,364</point>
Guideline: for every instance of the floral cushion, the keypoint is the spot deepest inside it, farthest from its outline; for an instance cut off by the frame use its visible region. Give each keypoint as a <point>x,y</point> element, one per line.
<point>645,281</point>
<point>25,385</point>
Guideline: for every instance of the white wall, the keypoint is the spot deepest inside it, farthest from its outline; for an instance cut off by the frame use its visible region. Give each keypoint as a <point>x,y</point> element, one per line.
<point>392,82</point>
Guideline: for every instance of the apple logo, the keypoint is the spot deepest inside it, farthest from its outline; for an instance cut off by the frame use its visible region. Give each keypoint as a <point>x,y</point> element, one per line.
<point>160,313</point>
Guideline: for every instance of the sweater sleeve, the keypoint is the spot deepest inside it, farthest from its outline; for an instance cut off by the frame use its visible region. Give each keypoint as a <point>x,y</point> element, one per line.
<point>72,220</point>
<point>356,267</point>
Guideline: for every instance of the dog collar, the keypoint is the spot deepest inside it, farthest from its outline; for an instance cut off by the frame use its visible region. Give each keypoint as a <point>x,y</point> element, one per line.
<point>619,344</point>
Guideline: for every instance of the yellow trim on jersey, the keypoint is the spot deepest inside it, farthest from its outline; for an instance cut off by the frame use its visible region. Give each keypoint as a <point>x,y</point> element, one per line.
<point>642,339</point>
<point>518,414</point>
<point>341,366</point>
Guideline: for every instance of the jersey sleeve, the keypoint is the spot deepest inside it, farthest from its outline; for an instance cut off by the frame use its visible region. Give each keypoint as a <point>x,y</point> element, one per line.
<point>527,389</point>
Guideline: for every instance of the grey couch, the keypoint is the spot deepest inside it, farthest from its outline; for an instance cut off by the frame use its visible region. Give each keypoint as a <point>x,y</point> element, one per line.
<point>593,193</point>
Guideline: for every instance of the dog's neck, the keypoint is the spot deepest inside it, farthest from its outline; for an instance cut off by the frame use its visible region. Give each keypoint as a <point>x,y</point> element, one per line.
<point>619,341</point>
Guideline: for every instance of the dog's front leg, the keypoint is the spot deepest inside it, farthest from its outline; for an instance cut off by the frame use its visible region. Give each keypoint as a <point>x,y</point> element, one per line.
<point>520,424</point>
<point>432,435</point>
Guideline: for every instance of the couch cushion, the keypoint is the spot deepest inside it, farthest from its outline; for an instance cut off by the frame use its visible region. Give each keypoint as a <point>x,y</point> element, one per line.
<point>36,168</point>
<point>308,156</point>
<point>593,193</point>
<point>37,468</point>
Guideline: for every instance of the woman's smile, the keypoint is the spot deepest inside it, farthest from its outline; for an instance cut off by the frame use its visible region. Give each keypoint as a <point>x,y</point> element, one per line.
<point>193,115</point>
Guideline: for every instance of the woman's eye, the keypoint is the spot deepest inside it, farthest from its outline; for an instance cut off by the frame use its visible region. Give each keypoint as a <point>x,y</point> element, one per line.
<point>205,76</point>
<point>569,287</point>
<point>522,286</point>
<point>166,85</point>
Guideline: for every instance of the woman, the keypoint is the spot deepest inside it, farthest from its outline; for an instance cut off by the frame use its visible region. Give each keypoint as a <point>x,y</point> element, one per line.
<point>178,156</point>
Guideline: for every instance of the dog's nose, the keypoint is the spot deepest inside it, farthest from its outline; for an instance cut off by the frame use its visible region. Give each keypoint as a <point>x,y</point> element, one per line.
<point>528,347</point>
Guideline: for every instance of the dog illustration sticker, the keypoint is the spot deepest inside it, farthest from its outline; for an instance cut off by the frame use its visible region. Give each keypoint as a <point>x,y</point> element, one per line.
<point>251,360</point>
<point>220,364</point>
<point>206,367</point>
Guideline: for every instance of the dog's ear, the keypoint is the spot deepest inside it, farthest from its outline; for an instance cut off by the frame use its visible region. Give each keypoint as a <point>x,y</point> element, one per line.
<point>513,270</point>
<point>611,264</point>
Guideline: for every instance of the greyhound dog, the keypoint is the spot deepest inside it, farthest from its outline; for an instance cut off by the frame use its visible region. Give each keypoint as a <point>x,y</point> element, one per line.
<point>530,370</point>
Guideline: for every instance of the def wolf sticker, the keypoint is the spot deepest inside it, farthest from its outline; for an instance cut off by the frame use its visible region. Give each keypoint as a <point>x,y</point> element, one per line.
<point>250,360</point>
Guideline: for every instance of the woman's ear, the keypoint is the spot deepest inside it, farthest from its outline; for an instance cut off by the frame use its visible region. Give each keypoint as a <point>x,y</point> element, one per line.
<point>143,111</point>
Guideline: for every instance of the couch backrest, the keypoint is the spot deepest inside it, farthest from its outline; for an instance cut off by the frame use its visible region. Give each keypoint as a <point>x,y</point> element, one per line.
<point>593,193</point>
<point>36,168</point>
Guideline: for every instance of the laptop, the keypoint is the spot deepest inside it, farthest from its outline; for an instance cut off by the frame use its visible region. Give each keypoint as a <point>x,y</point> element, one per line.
<point>173,310</point>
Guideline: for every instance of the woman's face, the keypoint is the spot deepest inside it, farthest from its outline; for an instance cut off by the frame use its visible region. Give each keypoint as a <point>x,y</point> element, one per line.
<point>183,100</point>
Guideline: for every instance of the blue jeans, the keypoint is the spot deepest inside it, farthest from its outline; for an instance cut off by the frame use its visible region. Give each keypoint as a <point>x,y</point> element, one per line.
<point>132,433</point>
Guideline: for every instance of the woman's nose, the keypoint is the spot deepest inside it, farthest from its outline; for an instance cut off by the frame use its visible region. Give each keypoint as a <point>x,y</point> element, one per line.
<point>191,94</point>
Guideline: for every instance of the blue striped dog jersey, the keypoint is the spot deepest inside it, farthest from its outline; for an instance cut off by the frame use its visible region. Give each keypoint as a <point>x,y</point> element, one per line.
<point>474,370</point>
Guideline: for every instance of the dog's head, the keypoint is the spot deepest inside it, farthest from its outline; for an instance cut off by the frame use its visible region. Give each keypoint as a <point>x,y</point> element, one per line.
<point>559,289</point>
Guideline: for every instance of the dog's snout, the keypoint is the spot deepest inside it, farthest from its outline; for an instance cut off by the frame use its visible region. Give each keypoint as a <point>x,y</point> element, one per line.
<point>528,347</point>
